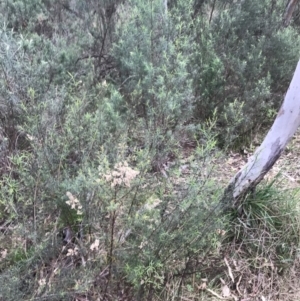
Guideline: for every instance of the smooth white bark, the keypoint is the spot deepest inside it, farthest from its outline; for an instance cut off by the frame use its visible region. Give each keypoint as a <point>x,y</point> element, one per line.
<point>166,7</point>
<point>284,127</point>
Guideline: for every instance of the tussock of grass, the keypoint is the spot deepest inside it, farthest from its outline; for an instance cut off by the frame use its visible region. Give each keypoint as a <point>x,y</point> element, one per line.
<point>263,244</point>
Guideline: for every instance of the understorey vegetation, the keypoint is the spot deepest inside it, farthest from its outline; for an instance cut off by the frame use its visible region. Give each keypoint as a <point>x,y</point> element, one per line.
<point>120,121</point>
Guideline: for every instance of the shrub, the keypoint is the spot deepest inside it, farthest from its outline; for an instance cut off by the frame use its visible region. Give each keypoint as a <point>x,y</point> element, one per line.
<point>244,61</point>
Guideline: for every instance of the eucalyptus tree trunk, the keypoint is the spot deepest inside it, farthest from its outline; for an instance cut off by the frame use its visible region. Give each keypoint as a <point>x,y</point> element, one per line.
<point>290,8</point>
<point>166,7</point>
<point>283,129</point>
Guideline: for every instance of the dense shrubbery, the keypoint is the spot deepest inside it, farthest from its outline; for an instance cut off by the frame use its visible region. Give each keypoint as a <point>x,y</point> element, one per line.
<point>110,117</point>
<point>244,65</point>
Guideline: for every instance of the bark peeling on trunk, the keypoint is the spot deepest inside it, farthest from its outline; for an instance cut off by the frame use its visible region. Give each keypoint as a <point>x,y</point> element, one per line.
<point>283,129</point>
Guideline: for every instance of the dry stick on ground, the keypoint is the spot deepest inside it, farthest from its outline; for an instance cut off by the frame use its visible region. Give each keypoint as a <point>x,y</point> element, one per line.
<point>282,130</point>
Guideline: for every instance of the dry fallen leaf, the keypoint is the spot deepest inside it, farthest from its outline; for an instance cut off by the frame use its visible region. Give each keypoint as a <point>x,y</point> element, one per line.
<point>202,286</point>
<point>3,254</point>
<point>225,291</point>
<point>95,245</point>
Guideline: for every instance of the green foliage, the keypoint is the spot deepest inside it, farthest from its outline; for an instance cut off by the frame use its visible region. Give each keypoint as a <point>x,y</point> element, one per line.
<point>243,58</point>
<point>110,117</point>
<point>143,225</point>
<point>152,61</point>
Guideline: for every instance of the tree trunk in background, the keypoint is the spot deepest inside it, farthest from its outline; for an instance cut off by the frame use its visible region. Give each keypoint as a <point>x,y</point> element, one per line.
<point>284,127</point>
<point>290,8</point>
